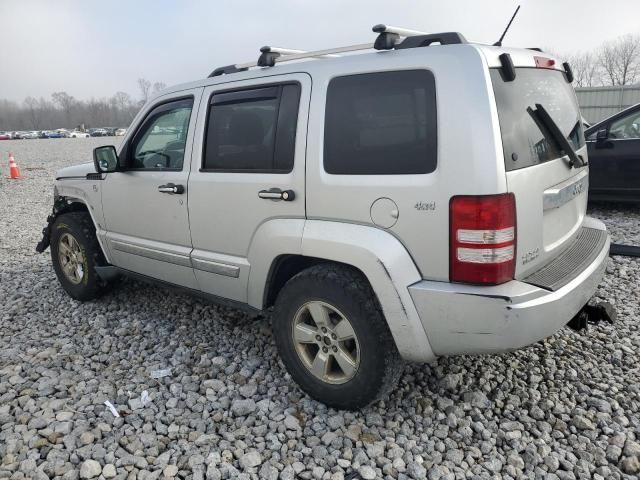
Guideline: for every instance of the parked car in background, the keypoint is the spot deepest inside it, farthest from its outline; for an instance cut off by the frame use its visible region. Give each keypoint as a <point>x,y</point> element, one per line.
<point>78,134</point>
<point>120,132</point>
<point>30,135</point>
<point>614,157</point>
<point>5,136</point>
<point>52,134</point>
<point>111,131</point>
<point>98,132</point>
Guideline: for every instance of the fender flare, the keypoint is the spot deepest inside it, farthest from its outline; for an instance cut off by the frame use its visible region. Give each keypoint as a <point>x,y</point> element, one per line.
<point>376,253</point>
<point>63,204</point>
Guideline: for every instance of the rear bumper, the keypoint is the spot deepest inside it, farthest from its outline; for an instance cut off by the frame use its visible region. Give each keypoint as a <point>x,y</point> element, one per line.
<point>462,319</point>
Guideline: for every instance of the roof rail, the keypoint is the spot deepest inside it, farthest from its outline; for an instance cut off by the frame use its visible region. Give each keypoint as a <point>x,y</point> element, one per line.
<point>225,70</point>
<point>388,39</point>
<point>270,54</point>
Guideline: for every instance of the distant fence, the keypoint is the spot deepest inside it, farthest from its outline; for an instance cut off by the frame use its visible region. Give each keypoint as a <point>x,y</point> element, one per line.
<point>598,103</point>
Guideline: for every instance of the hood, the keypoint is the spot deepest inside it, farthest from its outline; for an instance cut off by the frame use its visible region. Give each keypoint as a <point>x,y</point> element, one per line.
<point>76,171</point>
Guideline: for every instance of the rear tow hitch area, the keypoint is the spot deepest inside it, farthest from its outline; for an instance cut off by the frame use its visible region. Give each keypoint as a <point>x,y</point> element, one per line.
<point>593,314</point>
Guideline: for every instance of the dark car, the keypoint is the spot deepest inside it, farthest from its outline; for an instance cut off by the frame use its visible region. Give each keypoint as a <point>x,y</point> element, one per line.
<point>97,132</point>
<point>614,157</point>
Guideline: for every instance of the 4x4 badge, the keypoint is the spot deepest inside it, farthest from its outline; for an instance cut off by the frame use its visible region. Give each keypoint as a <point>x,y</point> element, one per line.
<point>425,206</point>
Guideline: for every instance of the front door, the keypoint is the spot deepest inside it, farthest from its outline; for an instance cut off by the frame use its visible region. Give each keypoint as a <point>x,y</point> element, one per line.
<point>145,204</point>
<point>614,162</point>
<point>248,168</point>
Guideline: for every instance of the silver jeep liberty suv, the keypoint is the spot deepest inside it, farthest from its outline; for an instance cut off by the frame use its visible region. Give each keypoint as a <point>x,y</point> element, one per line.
<point>404,201</point>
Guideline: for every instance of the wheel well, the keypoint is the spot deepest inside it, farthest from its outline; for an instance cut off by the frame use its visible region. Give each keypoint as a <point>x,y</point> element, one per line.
<point>72,206</point>
<point>285,267</point>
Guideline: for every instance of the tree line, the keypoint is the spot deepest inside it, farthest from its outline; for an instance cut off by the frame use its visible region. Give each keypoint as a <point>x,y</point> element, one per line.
<point>63,110</point>
<point>615,62</point>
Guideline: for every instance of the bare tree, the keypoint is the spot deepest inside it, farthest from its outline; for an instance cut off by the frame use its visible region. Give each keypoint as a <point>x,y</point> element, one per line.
<point>620,60</point>
<point>586,69</point>
<point>66,102</point>
<point>159,86</point>
<point>122,100</point>
<point>33,112</point>
<point>144,86</point>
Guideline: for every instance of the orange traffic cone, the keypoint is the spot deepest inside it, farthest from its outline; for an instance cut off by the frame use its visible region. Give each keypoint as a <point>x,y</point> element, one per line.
<point>14,171</point>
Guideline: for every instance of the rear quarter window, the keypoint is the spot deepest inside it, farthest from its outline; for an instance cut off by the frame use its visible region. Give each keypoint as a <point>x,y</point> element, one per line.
<point>381,124</point>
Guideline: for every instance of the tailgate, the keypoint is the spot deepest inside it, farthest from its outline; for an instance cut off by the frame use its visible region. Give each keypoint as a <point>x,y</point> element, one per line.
<point>551,201</point>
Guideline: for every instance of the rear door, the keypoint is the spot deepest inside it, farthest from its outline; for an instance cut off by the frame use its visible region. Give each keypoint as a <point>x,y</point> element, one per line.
<point>551,196</point>
<point>615,162</point>
<point>248,169</point>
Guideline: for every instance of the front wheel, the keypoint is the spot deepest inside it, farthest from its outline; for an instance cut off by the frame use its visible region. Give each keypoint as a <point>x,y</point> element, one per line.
<point>333,337</point>
<point>75,252</point>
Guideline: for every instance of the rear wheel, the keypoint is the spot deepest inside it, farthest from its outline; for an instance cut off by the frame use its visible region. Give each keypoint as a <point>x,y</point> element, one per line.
<point>333,338</point>
<point>75,252</point>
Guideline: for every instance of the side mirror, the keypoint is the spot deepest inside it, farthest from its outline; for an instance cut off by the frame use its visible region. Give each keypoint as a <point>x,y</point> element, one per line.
<point>602,135</point>
<point>105,159</point>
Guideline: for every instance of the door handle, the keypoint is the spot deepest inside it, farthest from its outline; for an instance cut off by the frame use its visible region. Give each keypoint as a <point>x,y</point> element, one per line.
<point>171,188</point>
<point>277,194</point>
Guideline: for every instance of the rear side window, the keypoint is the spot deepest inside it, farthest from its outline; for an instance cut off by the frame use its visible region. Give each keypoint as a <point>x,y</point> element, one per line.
<point>252,130</point>
<point>381,124</point>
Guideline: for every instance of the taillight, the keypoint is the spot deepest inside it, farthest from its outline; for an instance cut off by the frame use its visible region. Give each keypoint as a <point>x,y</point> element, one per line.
<point>482,239</point>
<point>544,62</point>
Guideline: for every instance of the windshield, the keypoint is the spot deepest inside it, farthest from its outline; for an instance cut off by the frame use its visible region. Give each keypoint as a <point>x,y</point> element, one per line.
<point>523,141</point>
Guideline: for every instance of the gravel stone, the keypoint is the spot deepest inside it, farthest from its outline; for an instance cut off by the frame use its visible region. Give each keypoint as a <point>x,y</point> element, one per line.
<point>251,459</point>
<point>583,423</point>
<point>109,471</point>
<point>241,408</point>
<point>567,407</point>
<point>367,473</point>
<point>631,465</point>
<point>90,469</point>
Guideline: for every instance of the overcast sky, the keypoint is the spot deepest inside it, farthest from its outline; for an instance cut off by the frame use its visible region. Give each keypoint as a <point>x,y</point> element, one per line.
<point>95,48</point>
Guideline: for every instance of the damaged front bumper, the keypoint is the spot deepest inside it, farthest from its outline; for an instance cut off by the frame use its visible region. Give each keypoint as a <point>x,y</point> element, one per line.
<point>59,205</point>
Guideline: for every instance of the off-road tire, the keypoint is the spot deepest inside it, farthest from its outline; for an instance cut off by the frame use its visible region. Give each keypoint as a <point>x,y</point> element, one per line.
<point>349,291</point>
<point>80,226</point>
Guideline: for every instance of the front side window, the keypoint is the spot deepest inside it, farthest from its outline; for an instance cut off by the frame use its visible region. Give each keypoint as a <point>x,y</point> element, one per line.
<point>160,142</point>
<point>381,124</point>
<point>252,130</point>
<point>626,127</point>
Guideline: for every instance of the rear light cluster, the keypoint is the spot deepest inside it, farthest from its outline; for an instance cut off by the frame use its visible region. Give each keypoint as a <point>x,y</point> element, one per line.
<point>482,239</point>
<point>544,62</point>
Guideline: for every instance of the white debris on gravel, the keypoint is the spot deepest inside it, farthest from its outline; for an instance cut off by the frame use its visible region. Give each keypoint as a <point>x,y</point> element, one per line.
<point>565,408</point>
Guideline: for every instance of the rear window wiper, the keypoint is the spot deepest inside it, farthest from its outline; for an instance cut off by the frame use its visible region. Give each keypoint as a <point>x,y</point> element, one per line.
<point>549,127</point>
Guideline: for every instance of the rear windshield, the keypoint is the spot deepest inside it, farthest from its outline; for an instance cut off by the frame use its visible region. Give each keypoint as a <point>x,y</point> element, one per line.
<point>523,141</point>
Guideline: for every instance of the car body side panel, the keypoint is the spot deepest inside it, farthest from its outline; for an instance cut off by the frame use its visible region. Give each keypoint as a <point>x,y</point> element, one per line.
<point>89,193</point>
<point>389,269</point>
<point>276,237</point>
<point>469,154</point>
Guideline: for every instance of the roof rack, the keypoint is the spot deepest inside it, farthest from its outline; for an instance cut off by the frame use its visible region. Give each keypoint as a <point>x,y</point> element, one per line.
<point>388,39</point>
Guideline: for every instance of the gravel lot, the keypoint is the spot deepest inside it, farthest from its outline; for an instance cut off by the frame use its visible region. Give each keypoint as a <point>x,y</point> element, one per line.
<point>564,408</point>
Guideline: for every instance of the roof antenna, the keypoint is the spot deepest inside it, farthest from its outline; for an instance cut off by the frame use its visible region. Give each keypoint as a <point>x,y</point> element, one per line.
<point>499,42</point>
